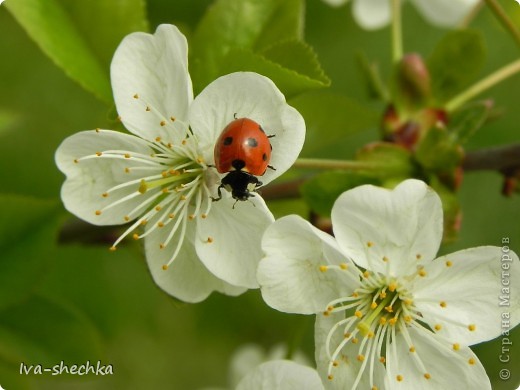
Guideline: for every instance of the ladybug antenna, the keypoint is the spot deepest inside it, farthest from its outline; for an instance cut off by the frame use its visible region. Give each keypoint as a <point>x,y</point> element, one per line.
<point>250,201</point>
<point>236,201</point>
<point>235,115</point>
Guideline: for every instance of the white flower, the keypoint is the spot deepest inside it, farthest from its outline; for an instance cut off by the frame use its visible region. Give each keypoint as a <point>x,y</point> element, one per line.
<point>281,375</point>
<point>389,314</point>
<point>374,14</point>
<point>249,357</point>
<point>161,179</point>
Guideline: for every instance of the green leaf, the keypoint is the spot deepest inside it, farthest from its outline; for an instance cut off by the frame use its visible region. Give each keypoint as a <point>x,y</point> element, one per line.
<point>438,151</point>
<point>28,228</point>
<point>42,331</point>
<point>376,88</point>
<point>246,24</point>
<point>292,65</point>
<point>80,36</point>
<point>455,62</point>
<point>331,119</point>
<point>395,161</point>
<point>465,122</point>
<point>322,190</point>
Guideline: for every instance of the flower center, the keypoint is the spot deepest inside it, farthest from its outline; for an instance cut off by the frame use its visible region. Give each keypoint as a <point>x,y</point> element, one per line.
<point>371,316</point>
<point>166,189</point>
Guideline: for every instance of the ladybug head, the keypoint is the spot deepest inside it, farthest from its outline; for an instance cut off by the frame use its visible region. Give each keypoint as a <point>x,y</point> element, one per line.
<point>241,184</point>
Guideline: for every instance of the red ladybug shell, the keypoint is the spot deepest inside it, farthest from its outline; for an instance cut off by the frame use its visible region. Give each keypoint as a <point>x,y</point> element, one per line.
<point>243,145</point>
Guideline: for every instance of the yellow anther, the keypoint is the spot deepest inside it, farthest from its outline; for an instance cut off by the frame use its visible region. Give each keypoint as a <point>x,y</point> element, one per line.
<point>385,259</point>
<point>173,172</point>
<point>135,236</point>
<point>438,327</point>
<point>422,273</point>
<point>200,160</point>
<point>127,155</point>
<point>355,294</point>
<point>112,248</point>
<point>427,375</point>
<point>366,274</point>
<point>389,308</point>
<point>330,377</point>
<point>158,139</point>
<point>326,313</point>
<point>98,212</point>
<point>119,119</point>
<point>76,161</point>
<point>170,145</point>
<point>104,194</point>
<point>382,320</point>
<point>382,359</point>
<point>418,256</point>
<point>358,314</point>
<point>354,340</point>
<point>163,123</point>
<point>97,129</point>
<point>408,319</point>
<point>99,154</point>
<point>471,361</point>
<point>374,388</point>
<point>191,217</point>
<point>335,363</point>
<point>183,197</point>
<point>370,334</point>
<point>392,287</point>
<point>382,295</point>
<point>343,266</point>
<point>412,349</point>
<point>165,190</point>
<point>126,218</point>
<point>162,246</point>
<point>456,346</point>
<point>370,244</point>
<point>158,208</point>
<point>184,142</point>
<point>144,222</point>
<point>160,224</point>
<point>209,240</point>
<point>165,267</point>
<point>360,358</point>
<point>148,108</point>
<point>136,96</point>
<point>127,170</point>
<point>399,378</point>
<point>392,320</point>
<point>172,118</point>
<point>472,327</point>
<point>204,216</point>
<point>408,302</point>
<point>442,304</point>
<point>448,263</point>
<point>323,268</point>
<point>171,215</point>
<point>373,305</point>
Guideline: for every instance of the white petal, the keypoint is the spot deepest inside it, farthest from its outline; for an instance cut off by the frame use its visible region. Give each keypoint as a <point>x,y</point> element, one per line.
<point>447,368</point>
<point>289,275</point>
<point>152,71</point>
<point>256,97</point>
<point>344,375</point>
<point>335,3</point>
<point>445,13</point>
<point>88,179</point>
<point>234,251</point>
<point>244,360</point>
<point>471,289</point>
<point>372,14</point>
<point>281,375</point>
<point>403,226</point>
<point>186,278</point>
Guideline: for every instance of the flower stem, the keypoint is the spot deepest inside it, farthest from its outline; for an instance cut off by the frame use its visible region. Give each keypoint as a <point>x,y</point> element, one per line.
<point>471,16</point>
<point>397,37</point>
<point>482,85</point>
<point>504,19</point>
<point>318,163</point>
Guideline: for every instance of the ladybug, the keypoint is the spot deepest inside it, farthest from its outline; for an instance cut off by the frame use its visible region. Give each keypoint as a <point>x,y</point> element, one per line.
<point>243,151</point>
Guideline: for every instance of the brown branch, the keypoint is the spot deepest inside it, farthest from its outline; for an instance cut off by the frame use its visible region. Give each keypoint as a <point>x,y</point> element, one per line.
<point>498,158</point>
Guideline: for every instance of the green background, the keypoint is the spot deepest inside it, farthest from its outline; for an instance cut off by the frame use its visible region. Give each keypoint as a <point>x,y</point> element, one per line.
<point>64,296</point>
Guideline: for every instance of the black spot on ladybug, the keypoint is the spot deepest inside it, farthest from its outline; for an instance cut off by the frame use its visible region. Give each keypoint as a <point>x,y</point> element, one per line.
<point>264,157</point>
<point>238,164</point>
<point>251,142</point>
<point>228,141</point>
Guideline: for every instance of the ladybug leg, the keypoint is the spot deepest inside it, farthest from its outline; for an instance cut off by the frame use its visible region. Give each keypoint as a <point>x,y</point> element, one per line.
<point>273,168</point>
<point>271,136</point>
<point>219,191</point>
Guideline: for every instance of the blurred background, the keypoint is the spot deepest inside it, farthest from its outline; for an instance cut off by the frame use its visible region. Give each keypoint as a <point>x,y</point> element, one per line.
<point>64,296</point>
